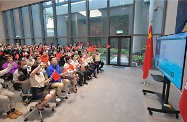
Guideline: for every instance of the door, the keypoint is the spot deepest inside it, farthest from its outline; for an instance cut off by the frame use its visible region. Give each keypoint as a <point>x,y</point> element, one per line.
<point>119,51</point>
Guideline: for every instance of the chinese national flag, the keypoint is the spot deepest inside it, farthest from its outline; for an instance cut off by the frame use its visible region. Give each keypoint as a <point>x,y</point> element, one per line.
<point>71,67</point>
<point>108,46</point>
<point>55,75</point>
<point>65,70</point>
<point>17,56</point>
<point>99,45</point>
<point>68,48</point>
<point>148,54</point>
<point>1,53</point>
<point>183,105</point>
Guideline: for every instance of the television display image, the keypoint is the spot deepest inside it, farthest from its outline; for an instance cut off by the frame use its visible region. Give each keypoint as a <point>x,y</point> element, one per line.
<point>170,57</point>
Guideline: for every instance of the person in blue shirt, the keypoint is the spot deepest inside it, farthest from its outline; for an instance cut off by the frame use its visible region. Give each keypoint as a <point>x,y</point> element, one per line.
<point>60,84</point>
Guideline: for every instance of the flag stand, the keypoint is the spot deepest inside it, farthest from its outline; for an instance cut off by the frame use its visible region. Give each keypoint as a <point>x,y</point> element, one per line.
<point>145,83</point>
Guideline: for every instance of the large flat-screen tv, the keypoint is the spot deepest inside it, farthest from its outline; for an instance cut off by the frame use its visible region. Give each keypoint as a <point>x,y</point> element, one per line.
<point>170,57</point>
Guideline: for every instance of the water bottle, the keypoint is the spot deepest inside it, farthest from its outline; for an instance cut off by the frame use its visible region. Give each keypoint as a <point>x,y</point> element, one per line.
<point>28,93</point>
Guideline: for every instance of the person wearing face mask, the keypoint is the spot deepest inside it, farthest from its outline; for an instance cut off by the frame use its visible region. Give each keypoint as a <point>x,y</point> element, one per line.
<point>29,60</point>
<point>98,60</point>
<point>21,74</point>
<point>38,82</point>
<point>71,73</point>
<point>45,58</point>
<point>7,98</point>
<point>9,75</point>
<point>60,84</point>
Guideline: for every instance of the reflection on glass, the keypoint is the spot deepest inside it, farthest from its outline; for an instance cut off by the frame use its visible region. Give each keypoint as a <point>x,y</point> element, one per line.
<point>98,16</point>
<point>138,50</point>
<point>78,18</point>
<point>62,19</point>
<point>113,51</point>
<point>48,19</point>
<point>26,25</point>
<point>9,24</point>
<point>36,20</point>
<point>124,56</point>
<point>63,41</point>
<point>121,16</point>
<point>17,22</point>
<point>77,40</point>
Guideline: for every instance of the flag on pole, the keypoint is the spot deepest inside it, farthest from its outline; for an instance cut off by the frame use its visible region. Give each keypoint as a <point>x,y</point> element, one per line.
<point>183,104</point>
<point>148,54</point>
<point>17,56</point>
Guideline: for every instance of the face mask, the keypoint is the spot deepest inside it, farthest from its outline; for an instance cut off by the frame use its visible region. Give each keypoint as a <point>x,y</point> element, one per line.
<point>24,67</point>
<point>24,50</point>
<point>30,58</point>
<point>39,61</point>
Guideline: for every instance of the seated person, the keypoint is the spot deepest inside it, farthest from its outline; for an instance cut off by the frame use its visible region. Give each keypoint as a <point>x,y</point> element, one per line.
<point>80,73</point>
<point>21,74</point>
<point>29,61</point>
<point>71,73</point>
<point>7,98</point>
<point>45,58</point>
<point>60,84</point>
<point>9,75</point>
<point>38,82</point>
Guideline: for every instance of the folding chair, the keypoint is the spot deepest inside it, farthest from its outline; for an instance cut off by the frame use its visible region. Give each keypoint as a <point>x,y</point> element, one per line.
<point>27,99</point>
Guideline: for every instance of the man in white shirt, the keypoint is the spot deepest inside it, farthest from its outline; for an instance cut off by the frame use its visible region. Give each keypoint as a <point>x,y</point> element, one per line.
<point>98,60</point>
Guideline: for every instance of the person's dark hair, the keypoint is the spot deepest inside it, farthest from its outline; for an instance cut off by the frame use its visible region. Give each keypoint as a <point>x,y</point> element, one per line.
<point>19,62</point>
<point>35,58</point>
<point>27,56</point>
<point>34,67</point>
<point>51,58</point>
<point>67,58</point>
<point>72,56</point>
<point>6,57</point>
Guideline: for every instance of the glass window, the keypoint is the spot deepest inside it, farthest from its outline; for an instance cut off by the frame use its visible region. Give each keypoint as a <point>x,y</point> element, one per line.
<point>98,17</point>
<point>48,18</point>
<point>78,18</point>
<point>62,19</point>
<point>9,26</point>
<point>17,22</point>
<point>120,18</point>
<point>38,40</point>
<point>26,25</point>
<point>138,49</point>
<point>141,17</point>
<point>63,41</point>
<point>36,20</point>
<point>77,40</point>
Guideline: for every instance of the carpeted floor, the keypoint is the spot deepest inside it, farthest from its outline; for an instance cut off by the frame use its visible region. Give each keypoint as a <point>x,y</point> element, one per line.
<point>116,96</point>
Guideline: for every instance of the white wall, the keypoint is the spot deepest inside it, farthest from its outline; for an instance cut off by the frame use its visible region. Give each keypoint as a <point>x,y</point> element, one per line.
<point>9,4</point>
<point>2,33</point>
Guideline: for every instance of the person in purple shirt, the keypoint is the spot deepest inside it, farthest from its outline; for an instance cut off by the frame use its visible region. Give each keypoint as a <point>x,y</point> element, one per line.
<point>13,69</point>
